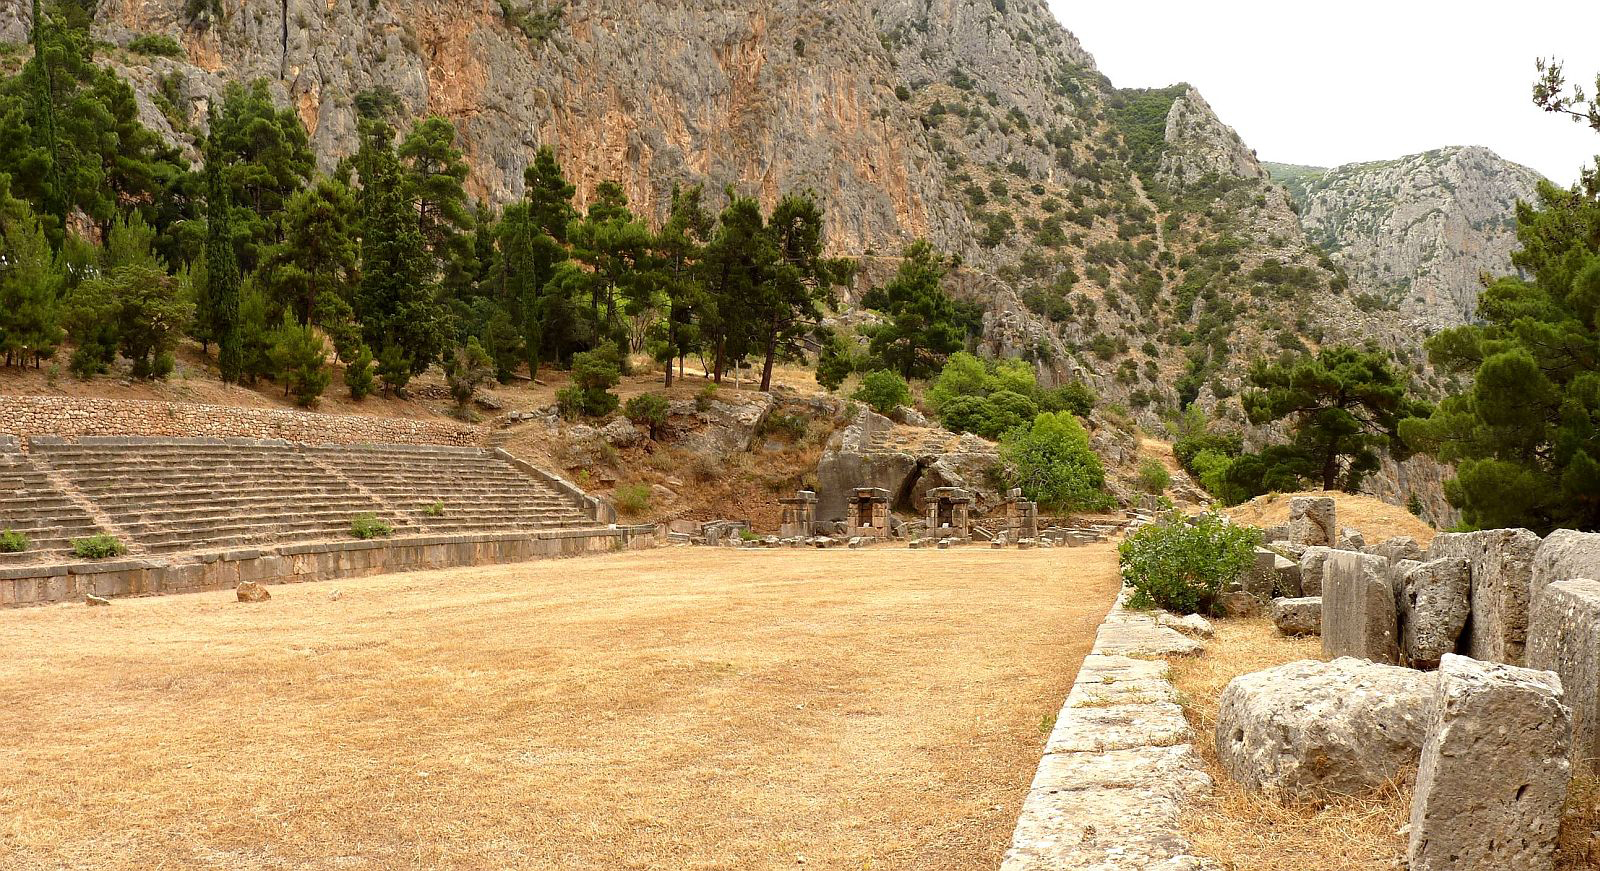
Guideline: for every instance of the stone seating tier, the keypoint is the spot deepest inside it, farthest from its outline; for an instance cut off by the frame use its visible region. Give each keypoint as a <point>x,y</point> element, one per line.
<point>175,495</point>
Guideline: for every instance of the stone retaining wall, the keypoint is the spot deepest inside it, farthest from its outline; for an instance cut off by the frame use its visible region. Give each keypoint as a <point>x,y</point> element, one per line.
<point>1118,767</point>
<point>70,418</point>
<point>315,561</point>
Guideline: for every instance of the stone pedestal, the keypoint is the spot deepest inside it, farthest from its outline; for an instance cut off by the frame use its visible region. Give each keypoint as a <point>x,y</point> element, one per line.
<point>949,512</point>
<point>799,515</point>
<point>869,512</point>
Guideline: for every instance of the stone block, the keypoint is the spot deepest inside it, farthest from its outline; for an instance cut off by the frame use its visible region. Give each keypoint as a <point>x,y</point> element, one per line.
<point>1262,578</point>
<point>1400,547</point>
<point>1238,603</point>
<point>1434,606</point>
<point>1311,520</point>
<point>1298,616</point>
<point>1358,608</point>
<point>1564,554</point>
<point>1346,726</point>
<point>1287,577</point>
<point>1351,538</point>
<point>1493,779</point>
<point>1502,574</point>
<point>1564,637</point>
<point>1311,568</point>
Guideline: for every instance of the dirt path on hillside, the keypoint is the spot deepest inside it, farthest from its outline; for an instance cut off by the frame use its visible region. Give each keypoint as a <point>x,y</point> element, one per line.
<point>669,709</point>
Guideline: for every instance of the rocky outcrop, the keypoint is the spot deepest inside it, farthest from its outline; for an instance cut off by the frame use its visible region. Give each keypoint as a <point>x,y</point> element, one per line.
<point>1418,231</point>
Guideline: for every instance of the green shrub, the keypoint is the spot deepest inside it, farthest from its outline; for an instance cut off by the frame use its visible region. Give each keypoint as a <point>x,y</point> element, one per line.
<point>358,374</point>
<point>1154,477</point>
<point>300,361</point>
<point>12,541</point>
<point>434,509</point>
<point>632,499</point>
<point>705,396</point>
<point>1050,459</point>
<point>368,525</point>
<point>648,410</point>
<point>594,373</point>
<point>883,391</point>
<point>97,547</point>
<point>791,426</point>
<point>1183,564</point>
<point>156,45</point>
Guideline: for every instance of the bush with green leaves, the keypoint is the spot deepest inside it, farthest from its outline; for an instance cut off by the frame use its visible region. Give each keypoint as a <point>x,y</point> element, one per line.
<point>704,397</point>
<point>12,541</point>
<point>155,45</point>
<point>465,371</point>
<point>648,410</point>
<point>369,525</point>
<point>594,373</point>
<point>434,509</point>
<point>1154,477</point>
<point>883,391</point>
<point>1183,564</point>
<point>990,397</point>
<point>1050,459</point>
<point>97,547</point>
<point>632,499</point>
<point>358,374</point>
<point>300,361</point>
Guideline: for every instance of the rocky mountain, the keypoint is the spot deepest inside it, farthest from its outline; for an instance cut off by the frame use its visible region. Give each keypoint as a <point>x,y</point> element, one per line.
<point>1129,238</point>
<point>1415,233</point>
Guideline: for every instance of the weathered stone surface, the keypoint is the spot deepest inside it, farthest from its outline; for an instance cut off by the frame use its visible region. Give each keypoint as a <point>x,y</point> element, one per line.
<point>1238,603</point>
<point>1134,632</point>
<point>1564,554</point>
<point>1299,616</point>
<point>1312,520</point>
<point>1564,637</point>
<point>1312,563</point>
<point>1189,624</point>
<point>1502,574</point>
<point>1262,579</point>
<point>1492,783</point>
<point>94,601</point>
<point>250,591</point>
<point>1401,547</point>
<point>1434,607</point>
<point>1358,608</point>
<point>1287,578</point>
<point>1345,726</point>
<point>1351,538</point>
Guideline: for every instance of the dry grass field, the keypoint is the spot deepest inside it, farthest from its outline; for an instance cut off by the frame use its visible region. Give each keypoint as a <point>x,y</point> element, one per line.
<point>673,709</point>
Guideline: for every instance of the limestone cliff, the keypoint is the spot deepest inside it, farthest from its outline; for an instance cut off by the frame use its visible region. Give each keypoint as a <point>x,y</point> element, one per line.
<point>1417,232</point>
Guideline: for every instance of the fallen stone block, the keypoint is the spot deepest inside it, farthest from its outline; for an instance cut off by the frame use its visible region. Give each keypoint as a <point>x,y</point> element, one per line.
<point>1346,726</point>
<point>1564,637</point>
<point>250,591</point>
<point>94,601</point>
<point>1312,563</point>
<point>1189,624</point>
<point>1434,607</point>
<point>1493,779</point>
<point>1311,520</point>
<point>1400,547</point>
<point>1358,608</point>
<point>1502,575</point>
<point>1287,580</point>
<point>1564,554</point>
<point>1238,603</point>
<point>1351,538</point>
<point>1262,578</point>
<point>1298,616</point>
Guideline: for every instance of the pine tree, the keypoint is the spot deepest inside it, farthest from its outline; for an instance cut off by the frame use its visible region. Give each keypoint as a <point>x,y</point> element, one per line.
<point>924,326</point>
<point>678,249</point>
<point>300,361</point>
<point>798,280</point>
<point>30,283</point>
<point>318,255</point>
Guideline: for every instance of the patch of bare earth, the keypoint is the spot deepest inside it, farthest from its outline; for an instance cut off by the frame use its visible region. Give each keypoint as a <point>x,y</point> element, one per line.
<point>1255,831</point>
<point>1375,519</point>
<point>672,709</point>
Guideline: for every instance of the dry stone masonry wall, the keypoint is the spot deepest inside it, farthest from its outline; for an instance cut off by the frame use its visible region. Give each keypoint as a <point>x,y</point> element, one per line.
<point>27,416</point>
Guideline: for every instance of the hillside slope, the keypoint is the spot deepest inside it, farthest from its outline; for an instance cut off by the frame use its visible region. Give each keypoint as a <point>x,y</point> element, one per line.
<point>1417,231</point>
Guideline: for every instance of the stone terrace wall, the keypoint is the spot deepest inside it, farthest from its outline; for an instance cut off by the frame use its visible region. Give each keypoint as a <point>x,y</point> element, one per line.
<point>70,418</point>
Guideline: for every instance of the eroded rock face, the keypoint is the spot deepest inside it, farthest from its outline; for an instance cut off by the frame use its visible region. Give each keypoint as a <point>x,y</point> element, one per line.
<point>1564,554</point>
<point>1492,783</point>
<point>1345,726</point>
<point>1359,616</point>
<point>1312,567</point>
<point>1419,230</point>
<point>1312,521</point>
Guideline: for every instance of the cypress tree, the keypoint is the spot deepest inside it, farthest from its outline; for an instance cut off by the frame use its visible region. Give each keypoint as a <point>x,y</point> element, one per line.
<point>218,303</point>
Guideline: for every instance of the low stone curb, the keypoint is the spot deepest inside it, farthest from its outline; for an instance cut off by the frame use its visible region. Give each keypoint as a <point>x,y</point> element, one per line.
<point>309,561</point>
<point>1118,768</point>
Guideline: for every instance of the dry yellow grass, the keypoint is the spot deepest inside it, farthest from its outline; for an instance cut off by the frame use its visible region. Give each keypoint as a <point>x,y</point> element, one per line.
<point>682,709</point>
<point>1252,831</point>
<point>1374,518</point>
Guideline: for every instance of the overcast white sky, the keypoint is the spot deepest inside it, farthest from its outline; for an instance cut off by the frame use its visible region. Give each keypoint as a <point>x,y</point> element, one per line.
<point>1332,83</point>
